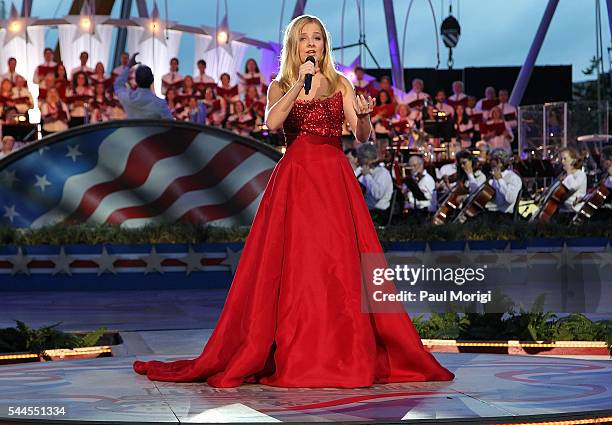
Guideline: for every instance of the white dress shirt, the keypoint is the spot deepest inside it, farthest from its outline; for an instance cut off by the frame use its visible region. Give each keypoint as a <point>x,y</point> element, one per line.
<point>18,92</point>
<point>475,180</point>
<point>577,184</point>
<point>506,191</point>
<point>379,187</point>
<point>11,76</point>
<point>428,187</point>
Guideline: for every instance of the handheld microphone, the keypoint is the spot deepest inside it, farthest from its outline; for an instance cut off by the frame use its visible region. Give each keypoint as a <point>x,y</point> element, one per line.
<point>308,79</point>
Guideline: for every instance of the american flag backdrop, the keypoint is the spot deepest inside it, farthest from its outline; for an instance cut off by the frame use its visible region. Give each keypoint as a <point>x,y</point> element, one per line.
<point>135,174</point>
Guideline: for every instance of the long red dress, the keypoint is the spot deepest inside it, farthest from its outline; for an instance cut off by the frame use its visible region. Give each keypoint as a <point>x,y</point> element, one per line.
<point>293,315</point>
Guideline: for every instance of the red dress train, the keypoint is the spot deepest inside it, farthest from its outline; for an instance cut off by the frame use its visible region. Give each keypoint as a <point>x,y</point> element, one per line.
<point>293,314</point>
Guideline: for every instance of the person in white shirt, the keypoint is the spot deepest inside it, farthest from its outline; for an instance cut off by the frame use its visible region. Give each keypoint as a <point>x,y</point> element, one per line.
<point>54,112</point>
<point>83,57</point>
<point>416,96</point>
<point>124,61</point>
<point>48,67</point>
<point>202,77</point>
<point>426,184</point>
<point>489,98</point>
<point>22,96</point>
<point>458,96</point>
<point>8,146</point>
<point>172,78</point>
<point>441,104</point>
<point>494,139</point>
<point>506,182</point>
<point>11,74</point>
<point>508,111</point>
<point>375,178</point>
<point>467,173</point>
<point>573,178</point>
<point>606,165</point>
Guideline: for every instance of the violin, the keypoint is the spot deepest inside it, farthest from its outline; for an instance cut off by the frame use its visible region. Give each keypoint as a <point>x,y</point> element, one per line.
<point>476,203</point>
<point>451,204</point>
<point>549,204</point>
<point>593,201</point>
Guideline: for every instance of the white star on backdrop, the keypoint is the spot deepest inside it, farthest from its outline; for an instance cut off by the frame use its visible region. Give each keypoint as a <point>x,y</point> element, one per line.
<point>16,25</point>
<point>232,259</point>
<point>86,23</point>
<point>73,152</point>
<point>153,262</point>
<point>10,213</point>
<point>20,263</point>
<point>222,31</point>
<point>154,26</point>
<point>106,262</point>
<point>42,182</point>
<point>62,263</point>
<point>8,178</point>
<point>193,261</point>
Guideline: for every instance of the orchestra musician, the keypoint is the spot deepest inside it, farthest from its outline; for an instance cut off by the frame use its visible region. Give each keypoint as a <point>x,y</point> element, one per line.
<point>505,181</point>
<point>573,178</point>
<point>376,180</point>
<point>425,184</point>
<point>467,171</point>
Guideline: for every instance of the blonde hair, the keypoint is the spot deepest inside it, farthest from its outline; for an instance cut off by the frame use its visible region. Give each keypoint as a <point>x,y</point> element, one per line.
<point>290,55</point>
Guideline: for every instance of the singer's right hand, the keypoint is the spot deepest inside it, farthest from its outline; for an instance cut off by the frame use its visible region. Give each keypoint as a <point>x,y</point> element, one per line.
<point>306,68</point>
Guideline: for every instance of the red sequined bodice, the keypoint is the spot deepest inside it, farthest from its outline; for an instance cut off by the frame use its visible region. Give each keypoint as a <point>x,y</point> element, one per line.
<point>321,117</point>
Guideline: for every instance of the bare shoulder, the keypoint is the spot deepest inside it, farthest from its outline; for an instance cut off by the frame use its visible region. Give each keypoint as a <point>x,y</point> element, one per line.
<point>345,84</point>
<point>274,91</point>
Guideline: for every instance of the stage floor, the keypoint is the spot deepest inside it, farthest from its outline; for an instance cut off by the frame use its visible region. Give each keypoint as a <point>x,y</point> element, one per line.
<point>486,386</point>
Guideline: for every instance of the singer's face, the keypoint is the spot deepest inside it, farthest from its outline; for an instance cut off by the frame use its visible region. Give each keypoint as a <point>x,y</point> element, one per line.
<point>311,42</point>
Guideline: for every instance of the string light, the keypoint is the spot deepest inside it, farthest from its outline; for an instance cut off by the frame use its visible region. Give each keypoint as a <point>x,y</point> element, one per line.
<point>222,37</point>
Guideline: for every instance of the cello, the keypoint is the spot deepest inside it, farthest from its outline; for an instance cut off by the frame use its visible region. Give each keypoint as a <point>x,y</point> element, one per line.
<point>476,203</point>
<point>555,195</point>
<point>593,201</point>
<point>451,204</point>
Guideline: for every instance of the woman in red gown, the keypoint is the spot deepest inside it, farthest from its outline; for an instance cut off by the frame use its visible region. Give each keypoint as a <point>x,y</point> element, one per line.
<point>293,316</point>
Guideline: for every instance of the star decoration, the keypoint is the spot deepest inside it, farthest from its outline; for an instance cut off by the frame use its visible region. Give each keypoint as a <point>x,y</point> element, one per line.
<point>62,263</point>
<point>427,257</point>
<point>504,257</point>
<point>73,152</point>
<point>232,259</point>
<point>564,257</point>
<point>106,262</point>
<point>10,213</point>
<point>20,263</point>
<point>86,23</point>
<point>42,182</point>
<point>153,262</point>
<point>154,27</point>
<point>8,178</point>
<point>16,25</point>
<point>605,256</point>
<point>193,261</point>
<point>468,257</point>
<point>222,36</point>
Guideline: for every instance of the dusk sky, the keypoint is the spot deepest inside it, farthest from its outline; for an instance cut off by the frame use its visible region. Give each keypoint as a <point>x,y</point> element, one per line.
<point>494,32</point>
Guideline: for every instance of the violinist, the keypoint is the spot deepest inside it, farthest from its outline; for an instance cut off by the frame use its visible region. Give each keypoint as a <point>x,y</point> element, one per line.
<point>467,171</point>
<point>376,181</point>
<point>505,181</point>
<point>573,178</point>
<point>424,200</point>
<point>606,165</point>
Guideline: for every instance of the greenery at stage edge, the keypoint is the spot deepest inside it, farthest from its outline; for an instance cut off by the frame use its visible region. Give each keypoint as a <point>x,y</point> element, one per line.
<point>480,229</point>
<point>515,324</point>
<point>23,338</point>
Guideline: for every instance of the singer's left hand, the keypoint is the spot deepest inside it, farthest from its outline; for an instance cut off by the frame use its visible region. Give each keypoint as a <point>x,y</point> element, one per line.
<point>363,107</point>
